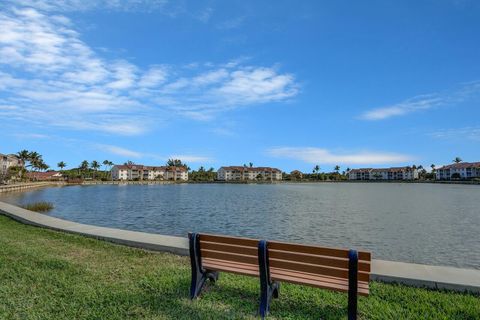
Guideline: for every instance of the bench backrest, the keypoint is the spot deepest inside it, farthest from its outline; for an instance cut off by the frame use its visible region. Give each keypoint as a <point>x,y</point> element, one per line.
<point>238,255</point>
<point>297,263</point>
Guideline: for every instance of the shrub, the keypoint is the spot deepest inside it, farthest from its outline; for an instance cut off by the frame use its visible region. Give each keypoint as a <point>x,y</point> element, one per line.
<point>41,206</point>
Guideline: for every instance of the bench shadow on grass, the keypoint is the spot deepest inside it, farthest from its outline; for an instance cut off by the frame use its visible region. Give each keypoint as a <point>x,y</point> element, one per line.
<point>231,301</point>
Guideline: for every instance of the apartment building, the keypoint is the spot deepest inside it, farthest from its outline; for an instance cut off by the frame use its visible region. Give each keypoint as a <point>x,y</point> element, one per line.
<point>238,173</point>
<point>359,174</point>
<point>7,161</point>
<point>141,172</point>
<point>394,173</point>
<point>462,170</point>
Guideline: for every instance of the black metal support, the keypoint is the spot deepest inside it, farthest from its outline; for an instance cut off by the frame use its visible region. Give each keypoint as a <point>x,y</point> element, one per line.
<point>352,284</point>
<point>268,288</point>
<point>199,275</point>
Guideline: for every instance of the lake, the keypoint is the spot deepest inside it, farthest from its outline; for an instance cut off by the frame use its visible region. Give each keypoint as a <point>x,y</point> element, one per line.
<point>421,223</point>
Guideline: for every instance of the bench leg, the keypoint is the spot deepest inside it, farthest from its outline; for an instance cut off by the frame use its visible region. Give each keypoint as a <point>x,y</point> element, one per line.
<point>268,288</point>
<point>352,284</point>
<point>199,276</point>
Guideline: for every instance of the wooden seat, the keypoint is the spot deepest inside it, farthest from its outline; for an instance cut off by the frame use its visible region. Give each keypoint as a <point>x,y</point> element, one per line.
<point>273,262</point>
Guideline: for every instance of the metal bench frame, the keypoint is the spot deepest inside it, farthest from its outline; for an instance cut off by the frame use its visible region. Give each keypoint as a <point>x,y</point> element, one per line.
<point>268,289</point>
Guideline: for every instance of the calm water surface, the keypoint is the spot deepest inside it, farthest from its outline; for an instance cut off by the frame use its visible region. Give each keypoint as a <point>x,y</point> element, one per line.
<point>422,223</point>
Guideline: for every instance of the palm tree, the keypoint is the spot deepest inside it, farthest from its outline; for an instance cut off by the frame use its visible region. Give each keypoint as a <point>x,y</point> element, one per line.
<point>94,165</point>
<point>433,167</point>
<point>43,166</point>
<point>251,164</point>
<point>34,159</point>
<point>83,167</point>
<point>23,155</point>
<point>457,160</point>
<point>316,169</point>
<point>37,162</point>
<point>61,165</point>
<point>336,169</point>
<point>108,166</point>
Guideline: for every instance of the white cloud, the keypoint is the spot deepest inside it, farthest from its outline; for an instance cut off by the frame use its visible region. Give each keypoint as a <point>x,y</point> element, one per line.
<point>190,158</point>
<point>86,5</point>
<point>205,15</point>
<point>119,151</point>
<point>324,156</point>
<point>49,76</point>
<point>124,75</point>
<point>30,136</point>
<point>423,102</point>
<point>469,133</point>
<point>255,85</point>
<point>153,77</point>
<point>232,23</point>
<point>127,153</point>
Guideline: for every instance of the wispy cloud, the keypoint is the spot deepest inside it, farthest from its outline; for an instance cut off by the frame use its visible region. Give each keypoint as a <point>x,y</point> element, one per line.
<point>49,76</point>
<point>191,158</point>
<point>205,15</point>
<point>324,156</point>
<point>79,5</point>
<point>119,151</point>
<point>423,102</point>
<point>30,136</point>
<point>403,108</point>
<point>128,154</point>
<point>468,133</point>
<point>232,23</point>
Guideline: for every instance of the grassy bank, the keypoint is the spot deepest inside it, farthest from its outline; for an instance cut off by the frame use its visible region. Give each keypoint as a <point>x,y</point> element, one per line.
<point>51,275</point>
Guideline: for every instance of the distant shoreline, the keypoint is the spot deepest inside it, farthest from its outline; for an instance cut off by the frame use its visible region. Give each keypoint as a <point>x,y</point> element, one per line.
<point>25,186</point>
<point>146,182</point>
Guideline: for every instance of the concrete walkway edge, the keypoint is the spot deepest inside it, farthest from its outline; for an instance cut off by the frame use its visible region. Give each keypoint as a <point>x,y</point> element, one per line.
<point>418,275</point>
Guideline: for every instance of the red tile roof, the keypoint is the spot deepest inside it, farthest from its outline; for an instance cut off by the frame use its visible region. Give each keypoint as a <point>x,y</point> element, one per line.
<point>254,169</point>
<point>360,170</point>
<point>461,165</point>
<point>154,168</point>
<point>392,169</point>
<point>42,175</point>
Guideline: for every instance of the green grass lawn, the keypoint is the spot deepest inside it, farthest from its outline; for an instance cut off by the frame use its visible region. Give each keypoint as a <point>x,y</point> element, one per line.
<point>52,275</point>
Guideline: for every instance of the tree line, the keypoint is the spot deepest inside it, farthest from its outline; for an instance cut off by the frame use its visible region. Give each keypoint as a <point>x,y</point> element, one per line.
<point>33,162</point>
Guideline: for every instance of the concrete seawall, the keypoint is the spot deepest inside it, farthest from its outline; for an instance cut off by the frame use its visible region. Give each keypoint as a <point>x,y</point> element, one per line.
<point>418,275</point>
<point>24,186</point>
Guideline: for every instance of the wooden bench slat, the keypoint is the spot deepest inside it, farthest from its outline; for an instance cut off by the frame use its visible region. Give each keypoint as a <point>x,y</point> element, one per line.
<point>251,251</point>
<point>275,271</point>
<point>318,283</point>
<point>316,250</point>
<point>229,263</point>
<point>244,269</point>
<point>221,255</point>
<point>315,269</point>
<point>229,240</point>
<point>308,276</point>
<point>316,259</point>
<point>324,282</point>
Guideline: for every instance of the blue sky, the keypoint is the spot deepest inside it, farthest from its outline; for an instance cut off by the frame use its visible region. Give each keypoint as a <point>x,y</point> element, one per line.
<point>276,83</point>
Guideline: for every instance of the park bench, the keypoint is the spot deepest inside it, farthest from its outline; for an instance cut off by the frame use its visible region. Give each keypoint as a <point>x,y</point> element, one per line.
<point>274,262</point>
